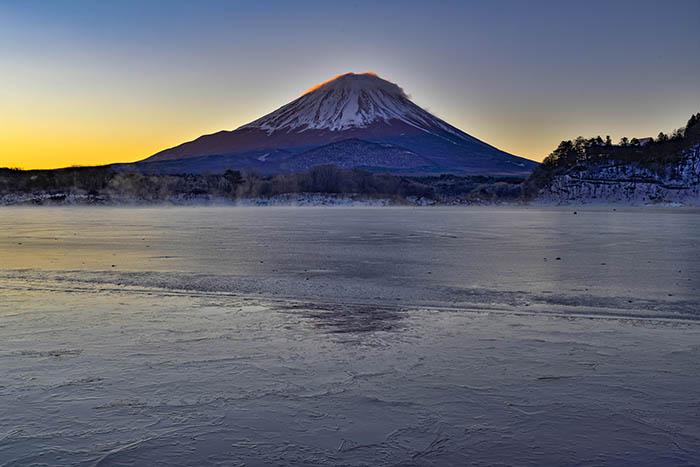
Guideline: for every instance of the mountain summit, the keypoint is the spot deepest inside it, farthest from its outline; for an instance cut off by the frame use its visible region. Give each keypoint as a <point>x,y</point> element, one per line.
<point>351,121</point>
<point>347,101</point>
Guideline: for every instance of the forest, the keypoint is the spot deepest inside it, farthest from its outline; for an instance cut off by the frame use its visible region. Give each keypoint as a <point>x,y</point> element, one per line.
<point>656,154</point>
<point>102,185</point>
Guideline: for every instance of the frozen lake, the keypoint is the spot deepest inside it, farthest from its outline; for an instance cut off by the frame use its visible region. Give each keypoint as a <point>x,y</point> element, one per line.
<point>349,336</point>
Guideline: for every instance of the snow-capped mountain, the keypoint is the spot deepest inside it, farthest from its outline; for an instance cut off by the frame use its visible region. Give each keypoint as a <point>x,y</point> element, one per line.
<point>349,113</point>
<point>348,101</point>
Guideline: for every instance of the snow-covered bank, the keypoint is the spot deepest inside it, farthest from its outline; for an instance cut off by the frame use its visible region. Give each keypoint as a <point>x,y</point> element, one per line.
<point>291,199</point>
<point>628,183</point>
<point>322,199</point>
<point>300,199</point>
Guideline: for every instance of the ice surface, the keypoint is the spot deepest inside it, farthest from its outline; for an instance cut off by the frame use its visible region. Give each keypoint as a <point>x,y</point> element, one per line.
<point>349,336</point>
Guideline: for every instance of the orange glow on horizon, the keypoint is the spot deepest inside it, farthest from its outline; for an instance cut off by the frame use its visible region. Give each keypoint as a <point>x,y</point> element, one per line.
<point>45,130</point>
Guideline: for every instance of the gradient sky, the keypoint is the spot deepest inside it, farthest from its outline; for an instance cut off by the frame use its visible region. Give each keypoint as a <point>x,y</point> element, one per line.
<point>92,82</point>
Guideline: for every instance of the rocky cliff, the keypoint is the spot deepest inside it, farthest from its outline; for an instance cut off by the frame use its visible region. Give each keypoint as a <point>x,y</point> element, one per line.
<point>628,182</point>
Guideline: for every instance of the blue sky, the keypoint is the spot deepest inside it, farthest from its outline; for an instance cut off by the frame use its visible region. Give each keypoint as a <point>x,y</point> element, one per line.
<point>107,81</point>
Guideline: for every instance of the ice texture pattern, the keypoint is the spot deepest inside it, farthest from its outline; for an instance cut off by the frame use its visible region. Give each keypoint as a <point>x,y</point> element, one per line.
<point>349,336</point>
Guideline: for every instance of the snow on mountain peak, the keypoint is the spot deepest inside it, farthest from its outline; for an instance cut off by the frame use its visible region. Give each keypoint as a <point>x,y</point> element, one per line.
<point>350,100</point>
<point>367,80</point>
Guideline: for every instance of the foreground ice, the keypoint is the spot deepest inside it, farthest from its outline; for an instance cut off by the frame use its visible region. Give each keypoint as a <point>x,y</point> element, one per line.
<point>349,337</point>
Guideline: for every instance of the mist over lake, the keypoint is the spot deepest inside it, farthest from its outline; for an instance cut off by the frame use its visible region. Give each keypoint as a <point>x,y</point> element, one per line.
<point>349,336</point>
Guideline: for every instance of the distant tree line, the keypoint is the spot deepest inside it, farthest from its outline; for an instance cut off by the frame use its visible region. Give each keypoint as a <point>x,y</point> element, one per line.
<point>104,185</point>
<point>652,153</point>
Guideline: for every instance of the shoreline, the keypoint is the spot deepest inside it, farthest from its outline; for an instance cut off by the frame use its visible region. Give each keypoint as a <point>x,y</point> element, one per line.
<point>308,200</point>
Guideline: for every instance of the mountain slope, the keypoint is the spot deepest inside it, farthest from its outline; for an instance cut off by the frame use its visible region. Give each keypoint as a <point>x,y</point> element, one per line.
<point>351,107</point>
<point>357,153</point>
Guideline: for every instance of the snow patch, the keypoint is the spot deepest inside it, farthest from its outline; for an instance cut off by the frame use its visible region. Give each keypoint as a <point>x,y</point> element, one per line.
<point>350,101</point>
